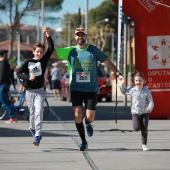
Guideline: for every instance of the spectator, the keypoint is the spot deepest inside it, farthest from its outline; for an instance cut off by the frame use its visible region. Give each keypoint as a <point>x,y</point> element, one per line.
<point>5,75</point>
<point>56,74</point>
<point>49,79</point>
<point>12,78</point>
<point>45,78</point>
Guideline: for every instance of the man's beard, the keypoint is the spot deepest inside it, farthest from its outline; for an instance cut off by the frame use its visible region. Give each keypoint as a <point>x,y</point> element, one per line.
<point>82,42</point>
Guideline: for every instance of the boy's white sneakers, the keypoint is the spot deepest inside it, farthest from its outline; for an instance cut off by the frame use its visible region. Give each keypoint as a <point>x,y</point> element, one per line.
<point>145,148</point>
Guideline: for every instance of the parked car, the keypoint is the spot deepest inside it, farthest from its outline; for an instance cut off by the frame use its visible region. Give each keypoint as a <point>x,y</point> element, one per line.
<point>105,87</point>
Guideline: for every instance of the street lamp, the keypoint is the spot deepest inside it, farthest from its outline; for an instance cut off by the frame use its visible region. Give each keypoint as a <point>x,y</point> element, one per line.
<point>98,22</point>
<point>95,25</point>
<point>18,51</point>
<point>87,10</point>
<point>83,13</point>
<point>69,28</point>
<point>112,37</point>
<point>38,21</point>
<point>42,10</point>
<point>112,48</point>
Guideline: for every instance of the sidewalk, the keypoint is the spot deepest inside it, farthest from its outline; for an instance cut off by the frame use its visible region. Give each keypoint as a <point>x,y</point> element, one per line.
<point>108,150</point>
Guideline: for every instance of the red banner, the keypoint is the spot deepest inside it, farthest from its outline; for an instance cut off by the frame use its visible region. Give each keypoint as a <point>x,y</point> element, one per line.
<point>152,48</point>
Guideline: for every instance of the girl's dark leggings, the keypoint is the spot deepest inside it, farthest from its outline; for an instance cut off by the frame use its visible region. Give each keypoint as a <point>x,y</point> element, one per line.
<point>140,122</point>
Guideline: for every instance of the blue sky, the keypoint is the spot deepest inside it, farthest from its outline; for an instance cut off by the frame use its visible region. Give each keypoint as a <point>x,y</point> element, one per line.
<point>69,6</point>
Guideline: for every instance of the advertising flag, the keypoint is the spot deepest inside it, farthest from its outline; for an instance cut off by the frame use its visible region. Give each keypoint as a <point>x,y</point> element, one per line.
<point>119,49</point>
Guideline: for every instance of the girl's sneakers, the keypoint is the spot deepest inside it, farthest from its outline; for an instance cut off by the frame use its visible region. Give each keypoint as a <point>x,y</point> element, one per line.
<point>145,148</point>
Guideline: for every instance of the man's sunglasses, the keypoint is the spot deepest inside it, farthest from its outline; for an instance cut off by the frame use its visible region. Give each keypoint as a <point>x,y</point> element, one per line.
<point>80,29</point>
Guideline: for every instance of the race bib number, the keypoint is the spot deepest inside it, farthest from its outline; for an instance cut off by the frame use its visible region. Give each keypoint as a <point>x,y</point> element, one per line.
<point>82,77</point>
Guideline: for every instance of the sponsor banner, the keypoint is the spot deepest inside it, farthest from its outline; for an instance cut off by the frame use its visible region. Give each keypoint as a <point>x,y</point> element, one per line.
<point>158,62</point>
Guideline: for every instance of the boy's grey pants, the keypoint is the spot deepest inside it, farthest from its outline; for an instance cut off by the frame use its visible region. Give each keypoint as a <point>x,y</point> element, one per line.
<point>35,101</point>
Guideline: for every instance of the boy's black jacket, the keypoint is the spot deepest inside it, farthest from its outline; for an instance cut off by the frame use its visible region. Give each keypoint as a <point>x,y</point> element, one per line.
<point>24,72</point>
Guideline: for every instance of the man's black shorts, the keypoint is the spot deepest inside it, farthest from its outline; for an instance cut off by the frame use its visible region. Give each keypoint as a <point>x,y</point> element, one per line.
<point>56,84</point>
<point>89,99</point>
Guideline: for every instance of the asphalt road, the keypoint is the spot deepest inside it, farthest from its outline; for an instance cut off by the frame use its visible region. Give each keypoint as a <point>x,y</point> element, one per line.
<point>104,111</point>
<point>114,146</point>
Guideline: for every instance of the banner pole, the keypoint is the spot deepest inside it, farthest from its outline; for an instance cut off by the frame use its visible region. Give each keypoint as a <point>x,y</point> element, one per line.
<point>119,52</point>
